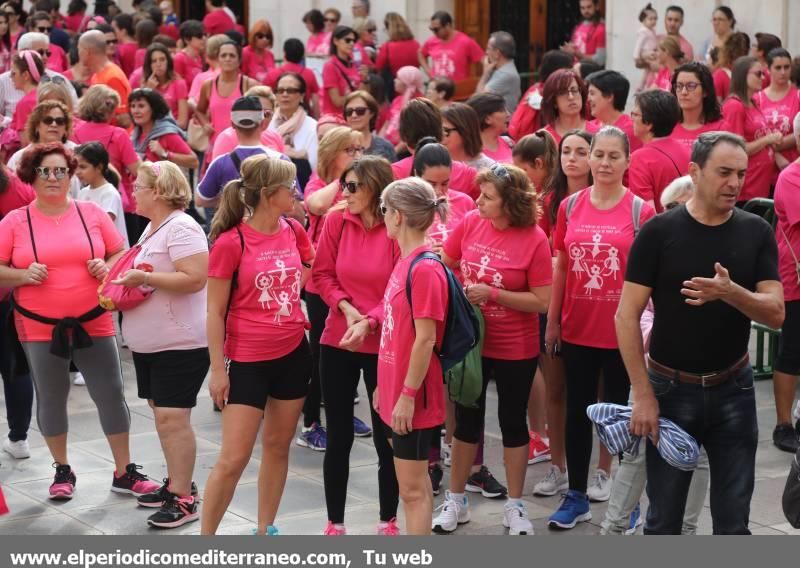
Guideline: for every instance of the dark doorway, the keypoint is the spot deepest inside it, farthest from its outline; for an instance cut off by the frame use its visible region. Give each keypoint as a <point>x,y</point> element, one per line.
<point>513,16</point>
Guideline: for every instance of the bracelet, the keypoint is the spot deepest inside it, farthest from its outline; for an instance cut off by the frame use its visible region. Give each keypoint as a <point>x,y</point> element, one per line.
<point>408,391</point>
<point>494,293</point>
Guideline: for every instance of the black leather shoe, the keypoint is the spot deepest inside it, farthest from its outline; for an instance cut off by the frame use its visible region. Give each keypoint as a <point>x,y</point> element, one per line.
<point>785,438</point>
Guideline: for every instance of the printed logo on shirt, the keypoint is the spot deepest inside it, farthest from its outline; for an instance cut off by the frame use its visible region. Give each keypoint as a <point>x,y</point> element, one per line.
<point>596,264</point>
<point>778,122</point>
<point>482,272</point>
<point>438,233</point>
<point>442,64</point>
<point>387,328</point>
<point>279,286</point>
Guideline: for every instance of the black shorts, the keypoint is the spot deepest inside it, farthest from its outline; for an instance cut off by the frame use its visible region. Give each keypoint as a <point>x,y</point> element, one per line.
<point>286,378</point>
<point>542,332</point>
<point>171,379</point>
<point>789,346</point>
<point>415,446</point>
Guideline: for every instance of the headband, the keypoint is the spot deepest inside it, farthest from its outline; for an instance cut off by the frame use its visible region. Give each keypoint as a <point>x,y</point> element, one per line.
<point>157,168</point>
<point>30,61</point>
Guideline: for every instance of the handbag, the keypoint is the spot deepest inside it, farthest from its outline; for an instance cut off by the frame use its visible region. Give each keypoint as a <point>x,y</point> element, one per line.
<point>117,296</point>
<point>465,379</point>
<point>791,494</point>
<point>197,137</point>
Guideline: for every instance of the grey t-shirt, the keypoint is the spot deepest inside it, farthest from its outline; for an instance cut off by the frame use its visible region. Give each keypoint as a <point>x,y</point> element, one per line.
<point>505,82</point>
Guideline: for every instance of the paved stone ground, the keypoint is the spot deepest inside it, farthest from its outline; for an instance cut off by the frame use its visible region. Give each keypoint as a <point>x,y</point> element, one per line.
<point>96,510</point>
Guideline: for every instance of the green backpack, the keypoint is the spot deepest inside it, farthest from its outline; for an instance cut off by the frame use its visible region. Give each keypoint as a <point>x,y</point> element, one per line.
<point>465,380</point>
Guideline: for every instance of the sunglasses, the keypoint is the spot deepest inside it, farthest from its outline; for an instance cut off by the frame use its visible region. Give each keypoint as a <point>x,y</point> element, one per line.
<point>57,79</point>
<point>349,40</point>
<point>57,120</point>
<point>358,111</point>
<point>44,172</point>
<point>500,171</point>
<point>350,186</point>
<point>759,74</point>
<point>383,209</point>
<point>288,91</point>
<point>353,150</point>
<point>43,52</point>
<point>137,188</point>
<point>44,29</point>
<point>268,112</point>
<point>448,130</point>
<point>334,20</point>
<point>372,30</point>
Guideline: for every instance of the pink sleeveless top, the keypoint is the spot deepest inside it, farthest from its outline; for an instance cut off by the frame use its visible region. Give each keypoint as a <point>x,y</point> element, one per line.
<point>219,108</point>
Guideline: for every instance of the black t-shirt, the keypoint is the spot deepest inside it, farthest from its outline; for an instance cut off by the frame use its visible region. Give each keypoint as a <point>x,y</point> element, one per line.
<point>674,247</point>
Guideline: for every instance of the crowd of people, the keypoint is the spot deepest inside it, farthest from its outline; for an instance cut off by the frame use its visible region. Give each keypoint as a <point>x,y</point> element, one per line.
<point>283,231</point>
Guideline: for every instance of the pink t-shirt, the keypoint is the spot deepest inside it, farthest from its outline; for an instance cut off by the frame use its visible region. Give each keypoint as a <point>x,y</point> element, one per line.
<point>722,82</point>
<point>171,143</point>
<point>126,52</point>
<point>397,54</point>
<point>255,65</point>
<point>663,79</point>
<point>687,137</point>
<point>227,140</point>
<point>459,204</point>
<point>58,60</point>
<point>18,194</point>
<point>750,124</point>
<point>430,301</point>
<point>624,123</point>
<point>199,79</point>
<point>515,259</point>
<point>503,152</point>
<point>451,59</point>
<point>69,290</point>
<point>787,209</point>
<point>138,58</point>
<point>589,36</point>
<point>181,317</point>
<point>340,272</point>
<point>319,44</point>
<point>265,321</point>
<point>337,75</point>
<point>596,243</point>
<point>23,109</point>
<point>462,177</point>
<point>187,66</point>
<point>218,22</point>
<point>654,166</point>
<point>780,115</point>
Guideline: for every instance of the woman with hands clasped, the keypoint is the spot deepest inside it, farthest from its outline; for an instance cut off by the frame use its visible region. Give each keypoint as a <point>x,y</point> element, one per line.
<point>260,358</point>
<point>410,395</point>
<point>49,247</point>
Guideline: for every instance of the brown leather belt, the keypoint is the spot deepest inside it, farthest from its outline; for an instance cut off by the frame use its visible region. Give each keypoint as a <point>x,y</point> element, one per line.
<point>706,379</point>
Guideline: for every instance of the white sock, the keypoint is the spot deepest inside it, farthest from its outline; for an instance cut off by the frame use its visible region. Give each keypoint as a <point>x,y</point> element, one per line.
<point>459,497</point>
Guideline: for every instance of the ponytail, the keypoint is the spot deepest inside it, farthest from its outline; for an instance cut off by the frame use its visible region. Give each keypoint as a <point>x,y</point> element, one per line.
<point>441,207</point>
<point>539,145</point>
<point>231,210</point>
<point>111,176</point>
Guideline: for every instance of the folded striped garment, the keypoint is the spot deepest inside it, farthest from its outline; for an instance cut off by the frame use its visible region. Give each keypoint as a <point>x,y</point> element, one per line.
<point>613,421</point>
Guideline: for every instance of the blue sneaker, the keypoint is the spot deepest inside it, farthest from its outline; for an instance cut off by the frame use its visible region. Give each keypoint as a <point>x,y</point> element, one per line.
<point>314,438</point>
<point>636,520</point>
<point>272,530</point>
<point>360,429</point>
<point>574,509</point>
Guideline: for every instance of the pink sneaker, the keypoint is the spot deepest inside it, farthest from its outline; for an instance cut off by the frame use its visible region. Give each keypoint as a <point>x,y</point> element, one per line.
<point>388,528</point>
<point>134,483</point>
<point>538,449</point>
<point>334,530</point>
<point>63,484</point>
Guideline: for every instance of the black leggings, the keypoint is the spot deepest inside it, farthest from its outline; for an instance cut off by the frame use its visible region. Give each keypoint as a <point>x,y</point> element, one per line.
<point>514,380</point>
<point>317,314</point>
<point>340,371</point>
<point>583,367</point>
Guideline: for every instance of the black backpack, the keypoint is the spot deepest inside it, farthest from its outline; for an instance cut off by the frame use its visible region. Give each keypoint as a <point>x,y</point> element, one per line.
<point>462,329</point>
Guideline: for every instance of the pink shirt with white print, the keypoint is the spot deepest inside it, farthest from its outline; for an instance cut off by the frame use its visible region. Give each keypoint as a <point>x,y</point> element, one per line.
<point>459,204</point>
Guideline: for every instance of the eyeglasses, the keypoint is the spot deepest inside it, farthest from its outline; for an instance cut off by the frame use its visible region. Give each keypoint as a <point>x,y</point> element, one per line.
<point>688,87</point>
<point>57,120</point>
<point>268,112</point>
<point>43,52</point>
<point>358,111</point>
<point>635,114</point>
<point>448,131</point>
<point>44,29</point>
<point>573,92</point>
<point>383,209</point>
<point>500,171</point>
<point>44,172</point>
<point>353,150</point>
<point>288,91</point>
<point>672,205</point>
<point>350,186</point>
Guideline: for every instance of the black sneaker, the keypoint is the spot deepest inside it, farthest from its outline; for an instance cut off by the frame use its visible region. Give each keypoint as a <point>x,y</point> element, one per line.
<point>175,511</point>
<point>797,426</point>
<point>157,498</point>
<point>785,438</point>
<point>483,482</point>
<point>436,474</point>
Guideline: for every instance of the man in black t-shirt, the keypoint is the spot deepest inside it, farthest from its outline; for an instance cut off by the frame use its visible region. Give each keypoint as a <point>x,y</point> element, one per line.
<point>710,269</point>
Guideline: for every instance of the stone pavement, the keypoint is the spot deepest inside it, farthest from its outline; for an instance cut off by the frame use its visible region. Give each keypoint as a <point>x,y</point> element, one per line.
<point>96,510</point>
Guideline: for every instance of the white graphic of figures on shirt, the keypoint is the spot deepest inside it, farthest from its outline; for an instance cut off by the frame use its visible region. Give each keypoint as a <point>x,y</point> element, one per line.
<point>779,122</point>
<point>443,65</point>
<point>482,272</point>
<point>280,286</point>
<point>388,324</point>
<point>437,234</point>
<point>596,262</point>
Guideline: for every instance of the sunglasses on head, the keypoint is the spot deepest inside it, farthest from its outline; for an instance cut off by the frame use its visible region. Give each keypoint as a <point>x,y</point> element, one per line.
<point>44,172</point>
<point>358,111</point>
<point>57,120</point>
<point>500,171</point>
<point>57,79</point>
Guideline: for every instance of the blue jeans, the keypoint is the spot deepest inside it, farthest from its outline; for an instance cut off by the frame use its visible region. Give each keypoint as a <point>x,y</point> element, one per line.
<point>723,420</point>
<point>18,390</point>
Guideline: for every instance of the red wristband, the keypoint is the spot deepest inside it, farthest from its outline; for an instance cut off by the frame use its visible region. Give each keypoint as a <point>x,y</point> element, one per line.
<point>494,293</point>
<point>408,391</point>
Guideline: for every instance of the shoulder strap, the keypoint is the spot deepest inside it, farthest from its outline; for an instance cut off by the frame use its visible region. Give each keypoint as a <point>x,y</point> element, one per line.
<point>291,226</point>
<point>420,256</point>
<point>346,78</point>
<point>30,230</point>
<point>237,161</point>
<point>241,84</point>
<point>571,200</point>
<point>677,169</point>
<point>234,277</point>
<point>638,203</point>
<point>86,230</point>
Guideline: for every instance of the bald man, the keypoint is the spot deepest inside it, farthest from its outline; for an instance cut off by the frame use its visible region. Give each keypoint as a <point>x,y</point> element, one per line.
<point>92,53</point>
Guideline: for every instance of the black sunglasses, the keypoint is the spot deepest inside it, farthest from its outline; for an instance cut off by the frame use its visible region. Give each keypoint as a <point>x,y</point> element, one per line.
<point>57,120</point>
<point>43,52</point>
<point>349,40</point>
<point>331,20</point>
<point>383,209</point>
<point>262,36</point>
<point>447,131</point>
<point>358,111</point>
<point>112,41</point>
<point>44,29</point>
<point>350,186</point>
<point>287,91</point>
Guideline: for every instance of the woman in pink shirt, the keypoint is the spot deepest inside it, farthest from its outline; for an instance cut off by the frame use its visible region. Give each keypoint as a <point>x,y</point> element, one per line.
<point>401,48</point>
<point>260,360</point>
<point>337,150</point>
<point>170,365</point>
<point>318,43</point>
<point>493,117</point>
<point>593,234</point>
<point>780,103</point>
<point>156,136</point>
<point>693,86</point>
<point>408,84</point>
<point>461,134</point>
<point>340,76</point>
<point>353,290</point>
<point>257,58</point>
<point>410,394</point>
<point>27,70</point>
<point>5,43</point>
<point>506,268</point>
<point>607,94</point>
<point>670,57</point>
<point>563,104</point>
<point>744,117</point>
<point>51,246</point>
<point>736,45</point>
<point>158,74</point>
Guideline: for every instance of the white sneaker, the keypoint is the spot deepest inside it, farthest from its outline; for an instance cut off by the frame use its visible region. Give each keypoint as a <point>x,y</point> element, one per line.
<point>554,482</point>
<point>447,454</point>
<point>453,513</point>
<point>78,380</point>
<point>599,487</point>
<point>515,519</point>
<point>19,449</point>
